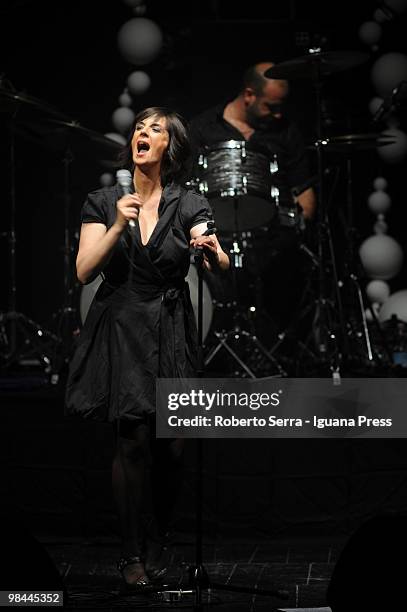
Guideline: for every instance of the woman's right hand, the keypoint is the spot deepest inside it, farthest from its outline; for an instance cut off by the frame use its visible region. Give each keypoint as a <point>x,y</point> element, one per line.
<point>127,209</point>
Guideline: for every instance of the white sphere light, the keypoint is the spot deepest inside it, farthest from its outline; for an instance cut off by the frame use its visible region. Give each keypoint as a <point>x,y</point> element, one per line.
<point>388,71</point>
<point>397,151</point>
<point>381,257</point>
<point>396,304</point>
<point>370,32</point>
<point>123,119</point>
<point>106,179</point>
<point>116,138</point>
<point>140,10</point>
<point>139,40</point>
<point>379,202</point>
<point>380,183</point>
<point>125,99</point>
<point>138,82</point>
<point>377,291</point>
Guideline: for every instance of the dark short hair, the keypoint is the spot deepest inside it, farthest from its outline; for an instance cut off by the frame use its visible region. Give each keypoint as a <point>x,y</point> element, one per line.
<point>174,163</point>
<point>254,79</point>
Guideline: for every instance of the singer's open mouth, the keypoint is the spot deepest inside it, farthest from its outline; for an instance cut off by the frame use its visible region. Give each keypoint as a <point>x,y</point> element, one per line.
<point>142,146</point>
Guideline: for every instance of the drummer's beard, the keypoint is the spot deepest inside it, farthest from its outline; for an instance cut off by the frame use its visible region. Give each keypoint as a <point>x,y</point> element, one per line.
<point>261,122</point>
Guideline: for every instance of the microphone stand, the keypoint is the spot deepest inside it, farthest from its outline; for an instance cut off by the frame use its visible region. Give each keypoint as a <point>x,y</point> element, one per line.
<point>198,575</point>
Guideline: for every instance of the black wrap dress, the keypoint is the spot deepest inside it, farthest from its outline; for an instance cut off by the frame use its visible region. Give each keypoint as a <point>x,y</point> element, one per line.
<point>141,323</point>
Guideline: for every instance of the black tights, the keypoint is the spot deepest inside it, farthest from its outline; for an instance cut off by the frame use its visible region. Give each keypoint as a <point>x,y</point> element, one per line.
<point>136,445</point>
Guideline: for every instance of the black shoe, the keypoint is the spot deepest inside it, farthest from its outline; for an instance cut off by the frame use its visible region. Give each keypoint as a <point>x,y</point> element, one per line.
<point>141,583</point>
<point>159,557</point>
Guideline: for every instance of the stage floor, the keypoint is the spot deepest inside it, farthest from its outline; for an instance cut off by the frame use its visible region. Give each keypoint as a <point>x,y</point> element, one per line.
<point>301,567</point>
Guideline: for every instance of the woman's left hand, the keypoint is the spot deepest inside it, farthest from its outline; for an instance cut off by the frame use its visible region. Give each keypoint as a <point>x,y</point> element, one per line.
<point>209,245</point>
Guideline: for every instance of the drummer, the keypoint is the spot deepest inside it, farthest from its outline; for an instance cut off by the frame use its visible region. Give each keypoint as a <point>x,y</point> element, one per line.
<point>257,115</point>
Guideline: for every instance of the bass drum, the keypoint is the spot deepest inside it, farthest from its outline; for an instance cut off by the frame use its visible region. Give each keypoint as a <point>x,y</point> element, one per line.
<point>88,293</point>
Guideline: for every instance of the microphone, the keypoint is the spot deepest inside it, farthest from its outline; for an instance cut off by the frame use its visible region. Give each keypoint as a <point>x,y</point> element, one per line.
<point>211,229</point>
<point>125,181</point>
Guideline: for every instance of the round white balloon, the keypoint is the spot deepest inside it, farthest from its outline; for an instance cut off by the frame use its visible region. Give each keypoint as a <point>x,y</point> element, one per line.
<point>140,10</point>
<point>379,202</point>
<point>396,304</point>
<point>397,151</point>
<point>106,179</point>
<point>380,183</point>
<point>116,137</point>
<point>123,119</point>
<point>377,291</point>
<point>138,82</point>
<point>125,99</point>
<point>370,32</point>
<point>388,71</point>
<point>139,40</point>
<point>381,257</point>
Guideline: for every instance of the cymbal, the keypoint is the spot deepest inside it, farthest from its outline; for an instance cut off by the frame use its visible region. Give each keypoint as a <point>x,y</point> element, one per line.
<point>63,135</point>
<point>14,103</point>
<point>315,65</point>
<point>353,142</point>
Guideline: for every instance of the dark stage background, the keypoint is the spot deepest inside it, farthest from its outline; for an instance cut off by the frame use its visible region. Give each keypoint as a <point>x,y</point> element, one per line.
<point>66,54</point>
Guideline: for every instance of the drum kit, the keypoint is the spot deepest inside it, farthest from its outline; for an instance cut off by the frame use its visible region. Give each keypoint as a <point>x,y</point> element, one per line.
<point>241,186</point>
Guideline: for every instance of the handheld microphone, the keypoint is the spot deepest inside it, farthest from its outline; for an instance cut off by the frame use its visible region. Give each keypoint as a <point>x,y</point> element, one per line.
<point>125,181</point>
<point>211,229</point>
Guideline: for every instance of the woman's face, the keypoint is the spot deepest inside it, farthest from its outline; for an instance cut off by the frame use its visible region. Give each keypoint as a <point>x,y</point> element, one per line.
<point>150,141</point>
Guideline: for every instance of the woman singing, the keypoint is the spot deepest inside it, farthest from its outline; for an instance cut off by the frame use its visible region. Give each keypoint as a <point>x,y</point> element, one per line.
<point>140,324</point>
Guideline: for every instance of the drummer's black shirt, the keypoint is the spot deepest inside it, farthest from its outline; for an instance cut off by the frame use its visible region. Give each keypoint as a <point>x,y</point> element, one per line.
<point>282,139</point>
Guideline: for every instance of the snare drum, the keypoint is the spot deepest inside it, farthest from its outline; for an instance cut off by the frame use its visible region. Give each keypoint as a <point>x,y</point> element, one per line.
<point>88,292</point>
<point>238,182</point>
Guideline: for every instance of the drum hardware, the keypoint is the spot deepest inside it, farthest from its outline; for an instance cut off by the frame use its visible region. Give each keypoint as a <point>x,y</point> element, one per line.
<point>346,143</point>
<point>240,335</point>
<point>239,184</point>
<point>392,102</point>
<point>316,64</point>
<point>66,136</point>
<point>237,178</point>
<point>330,335</point>
<point>237,254</point>
<point>224,339</point>
<point>23,341</point>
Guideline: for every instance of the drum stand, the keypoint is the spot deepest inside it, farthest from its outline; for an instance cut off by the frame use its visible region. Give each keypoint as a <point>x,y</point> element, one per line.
<point>67,316</point>
<point>238,333</point>
<point>22,340</point>
<point>330,336</point>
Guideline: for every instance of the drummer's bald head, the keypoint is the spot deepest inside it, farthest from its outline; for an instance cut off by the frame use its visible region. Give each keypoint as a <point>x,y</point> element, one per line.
<point>254,79</point>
